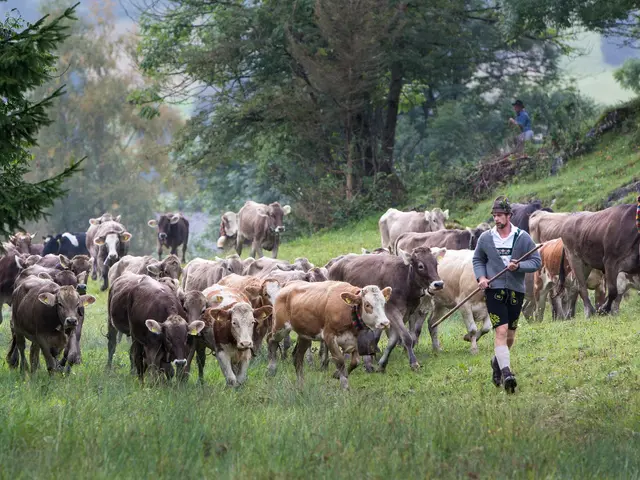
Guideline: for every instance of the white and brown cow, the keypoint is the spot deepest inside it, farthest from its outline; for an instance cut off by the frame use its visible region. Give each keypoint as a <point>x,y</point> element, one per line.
<point>261,225</point>
<point>333,312</point>
<point>394,223</point>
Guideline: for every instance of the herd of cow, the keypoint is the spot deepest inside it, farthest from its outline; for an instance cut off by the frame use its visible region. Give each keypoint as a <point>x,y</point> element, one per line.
<point>231,306</point>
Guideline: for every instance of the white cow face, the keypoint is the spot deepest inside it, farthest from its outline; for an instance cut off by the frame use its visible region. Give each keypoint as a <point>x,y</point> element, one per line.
<point>372,301</point>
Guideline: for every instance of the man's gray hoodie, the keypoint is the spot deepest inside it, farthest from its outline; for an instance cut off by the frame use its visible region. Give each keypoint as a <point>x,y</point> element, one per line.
<point>487,262</point>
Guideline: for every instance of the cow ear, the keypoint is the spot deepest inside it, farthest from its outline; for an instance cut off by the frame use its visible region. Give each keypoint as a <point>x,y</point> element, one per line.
<point>427,216</point>
<point>82,277</point>
<point>350,299</point>
<point>99,241</point>
<point>286,209</point>
<point>252,291</point>
<point>446,214</point>
<point>93,221</point>
<point>64,261</point>
<point>33,235</point>
<point>406,257</point>
<point>262,312</point>
<point>195,327</point>
<point>117,219</point>
<point>12,239</point>
<point>217,258</point>
<point>220,242</point>
<point>19,262</point>
<point>87,300</point>
<point>125,236</point>
<point>215,299</point>
<point>154,269</point>
<point>440,254</point>
<point>152,223</point>
<point>364,251</point>
<point>175,219</point>
<point>386,293</point>
<point>48,299</point>
<point>45,276</point>
<point>181,296</point>
<point>153,326</point>
<point>217,314</point>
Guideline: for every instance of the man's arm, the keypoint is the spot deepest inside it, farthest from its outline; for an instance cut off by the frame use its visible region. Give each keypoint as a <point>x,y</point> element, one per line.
<point>480,259</point>
<point>533,262</point>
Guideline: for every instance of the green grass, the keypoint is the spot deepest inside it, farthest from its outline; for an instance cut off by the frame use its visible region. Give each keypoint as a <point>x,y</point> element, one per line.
<point>576,414</point>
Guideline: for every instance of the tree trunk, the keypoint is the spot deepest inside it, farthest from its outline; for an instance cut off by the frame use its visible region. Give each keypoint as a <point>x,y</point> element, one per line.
<point>349,160</point>
<point>393,104</point>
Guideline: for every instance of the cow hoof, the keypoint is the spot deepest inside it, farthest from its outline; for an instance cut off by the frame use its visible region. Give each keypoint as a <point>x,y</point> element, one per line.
<point>474,350</point>
<point>271,371</point>
<point>415,366</point>
<point>344,383</point>
<point>232,383</point>
<point>467,337</point>
<point>369,369</point>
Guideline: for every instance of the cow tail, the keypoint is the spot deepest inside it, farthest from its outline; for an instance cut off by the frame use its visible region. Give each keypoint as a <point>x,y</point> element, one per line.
<point>562,275</point>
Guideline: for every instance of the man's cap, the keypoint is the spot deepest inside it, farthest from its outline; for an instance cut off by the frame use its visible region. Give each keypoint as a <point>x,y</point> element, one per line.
<point>501,205</point>
<point>518,102</point>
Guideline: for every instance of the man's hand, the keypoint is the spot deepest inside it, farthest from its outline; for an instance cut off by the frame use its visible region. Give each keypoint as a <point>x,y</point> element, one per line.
<point>513,266</point>
<point>512,121</point>
<point>483,283</point>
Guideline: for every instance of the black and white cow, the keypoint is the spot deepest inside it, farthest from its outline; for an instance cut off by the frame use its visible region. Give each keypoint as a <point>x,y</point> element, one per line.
<point>67,244</point>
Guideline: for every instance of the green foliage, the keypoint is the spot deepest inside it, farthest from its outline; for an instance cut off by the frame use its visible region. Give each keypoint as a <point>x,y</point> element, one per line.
<point>628,76</point>
<point>27,61</point>
<point>127,167</point>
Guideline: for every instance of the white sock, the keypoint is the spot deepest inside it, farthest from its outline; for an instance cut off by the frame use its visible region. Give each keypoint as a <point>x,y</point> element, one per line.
<point>502,355</point>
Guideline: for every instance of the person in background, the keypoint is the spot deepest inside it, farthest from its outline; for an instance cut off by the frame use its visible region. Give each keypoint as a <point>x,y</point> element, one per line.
<point>523,122</point>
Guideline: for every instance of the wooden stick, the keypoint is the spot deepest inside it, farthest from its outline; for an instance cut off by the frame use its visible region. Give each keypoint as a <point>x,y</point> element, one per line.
<point>466,299</point>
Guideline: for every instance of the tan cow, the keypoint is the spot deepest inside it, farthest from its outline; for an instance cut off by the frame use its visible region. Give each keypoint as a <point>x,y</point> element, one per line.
<point>331,311</point>
<point>452,239</point>
<point>146,265</point>
<point>455,268</point>
<point>394,223</point>
<point>261,225</point>
<point>200,273</point>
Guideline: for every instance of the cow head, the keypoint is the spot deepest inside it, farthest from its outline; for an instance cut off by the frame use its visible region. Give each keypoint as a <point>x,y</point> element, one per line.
<point>105,217</point>
<point>112,242</point>
<point>303,264</point>
<point>317,274</point>
<point>80,264</point>
<point>22,241</point>
<point>424,266</point>
<point>51,244</point>
<point>169,267</point>
<point>436,218</point>
<point>164,225</point>
<point>173,334</point>
<point>475,234</point>
<point>242,319</point>
<point>228,228</point>
<point>32,260</point>
<point>275,215</point>
<point>269,291</point>
<point>195,304</point>
<point>369,303</point>
<point>68,304</point>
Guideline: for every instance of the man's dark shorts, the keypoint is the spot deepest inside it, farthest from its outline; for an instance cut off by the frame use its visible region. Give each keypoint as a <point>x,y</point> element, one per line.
<point>504,306</point>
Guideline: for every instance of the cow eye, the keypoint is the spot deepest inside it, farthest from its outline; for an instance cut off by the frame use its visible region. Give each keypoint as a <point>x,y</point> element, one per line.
<point>367,305</point>
<point>420,266</point>
<point>204,309</point>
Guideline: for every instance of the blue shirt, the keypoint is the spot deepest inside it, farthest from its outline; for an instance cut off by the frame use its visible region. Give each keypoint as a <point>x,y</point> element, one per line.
<point>523,120</point>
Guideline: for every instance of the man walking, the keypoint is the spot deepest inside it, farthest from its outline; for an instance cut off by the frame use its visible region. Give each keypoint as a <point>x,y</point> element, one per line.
<point>498,248</point>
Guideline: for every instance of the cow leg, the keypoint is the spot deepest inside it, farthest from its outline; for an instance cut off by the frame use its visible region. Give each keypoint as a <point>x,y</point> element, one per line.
<point>301,349</point>
<point>105,278</point>
<point>184,249</point>
<point>159,250</point>
<point>286,345</point>
<point>611,275</point>
<point>20,345</point>
<point>94,268</point>
<point>581,272</point>
<point>338,358</point>
<point>355,361</point>
<point>472,329</point>
<point>256,249</point>
<point>324,356</point>
<point>136,355</point>
<point>243,366</point>
<point>435,316</point>
<point>276,247</point>
<point>558,311</point>
<point>274,342</point>
<point>112,337</point>
<point>416,322</point>
<point>52,362</point>
<point>393,340</point>
<point>239,244</point>
<point>198,349</point>
<point>225,365</point>
<point>541,302</point>
<point>34,357</point>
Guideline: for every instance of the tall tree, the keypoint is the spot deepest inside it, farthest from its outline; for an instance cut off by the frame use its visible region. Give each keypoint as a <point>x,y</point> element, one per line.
<point>27,60</point>
<point>127,167</point>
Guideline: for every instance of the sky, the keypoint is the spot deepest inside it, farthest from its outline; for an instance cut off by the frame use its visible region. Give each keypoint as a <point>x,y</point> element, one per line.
<point>593,71</point>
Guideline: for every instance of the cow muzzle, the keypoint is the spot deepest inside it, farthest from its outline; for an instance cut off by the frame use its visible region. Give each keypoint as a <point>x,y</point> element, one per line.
<point>436,286</point>
<point>383,325</point>
<point>162,236</point>
<point>70,322</point>
<point>179,363</point>
<point>81,289</point>
<point>245,345</point>
<point>279,229</point>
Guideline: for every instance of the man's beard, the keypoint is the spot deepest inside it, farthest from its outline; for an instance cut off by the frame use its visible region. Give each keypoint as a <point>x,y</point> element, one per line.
<point>500,226</point>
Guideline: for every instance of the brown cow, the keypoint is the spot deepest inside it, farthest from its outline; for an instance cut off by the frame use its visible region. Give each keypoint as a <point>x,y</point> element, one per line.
<point>147,265</point>
<point>546,279</point>
<point>229,331</point>
<point>334,312</point>
<point>409,275</point>
<point>263,266</point>
<point>47,315</point>
<point>78,264</point>
<point>261,225</point>
<point>173,231</point>
<point>607,240</point>
<point>21,241</point>
<point>521,213</point>
<point>394,223</point>
<point>110,242</point>
<point>151,313</point>
<point>11,264</point>
<point>94,223</point>
<point>453,239</point>
<point>200,273</point>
